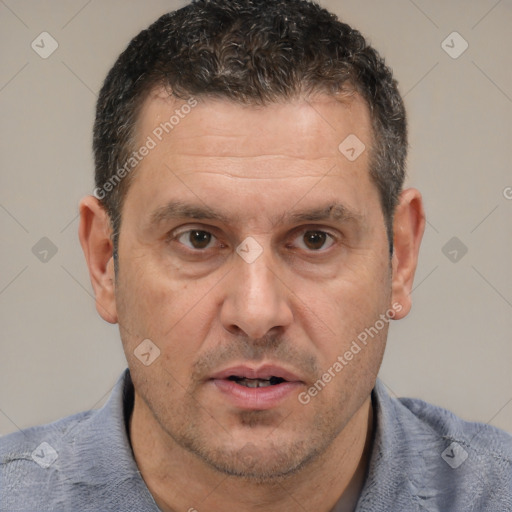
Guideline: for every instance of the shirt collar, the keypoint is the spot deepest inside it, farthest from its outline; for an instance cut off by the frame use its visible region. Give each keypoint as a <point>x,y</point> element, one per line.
<point>101,445</point>
<point>395,471</point>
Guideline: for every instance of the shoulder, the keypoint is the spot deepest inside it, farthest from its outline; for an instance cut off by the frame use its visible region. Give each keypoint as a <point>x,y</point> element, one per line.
<point>427,458</point>
<point>81,462</point>
<point>18,444</point>
<point>32,458</point>
<point>485,441</point>
<point>462,465</point>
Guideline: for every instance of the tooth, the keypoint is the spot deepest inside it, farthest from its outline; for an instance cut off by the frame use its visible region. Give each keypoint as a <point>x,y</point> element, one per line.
<point>254,383</point>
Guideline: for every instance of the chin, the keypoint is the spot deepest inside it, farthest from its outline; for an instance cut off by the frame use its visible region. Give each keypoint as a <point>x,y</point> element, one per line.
<point>257,464</point>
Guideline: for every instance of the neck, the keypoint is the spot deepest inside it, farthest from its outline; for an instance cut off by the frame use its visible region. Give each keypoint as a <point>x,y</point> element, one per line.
<point>179,480</point>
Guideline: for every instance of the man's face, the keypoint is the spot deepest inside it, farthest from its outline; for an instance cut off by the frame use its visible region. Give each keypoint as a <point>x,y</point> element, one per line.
<point>311,273</point>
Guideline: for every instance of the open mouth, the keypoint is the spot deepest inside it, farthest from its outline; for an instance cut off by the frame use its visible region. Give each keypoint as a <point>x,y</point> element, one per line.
<point>256,389</point>
<point>256,383</point>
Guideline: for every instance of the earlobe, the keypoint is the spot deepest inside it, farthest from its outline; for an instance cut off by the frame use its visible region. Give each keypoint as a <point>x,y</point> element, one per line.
<point>95,238</point>
<point>408,228</point>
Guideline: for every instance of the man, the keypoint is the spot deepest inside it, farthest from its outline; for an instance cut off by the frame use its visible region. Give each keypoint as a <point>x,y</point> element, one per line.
<point>250,235</point>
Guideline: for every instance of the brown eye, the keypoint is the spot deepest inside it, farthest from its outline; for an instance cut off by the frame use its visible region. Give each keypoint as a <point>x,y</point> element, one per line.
<point>315,240</point>
<point>196,239</point>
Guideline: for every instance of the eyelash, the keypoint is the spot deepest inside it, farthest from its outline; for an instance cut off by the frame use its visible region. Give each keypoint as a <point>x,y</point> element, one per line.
<point>172,237</point>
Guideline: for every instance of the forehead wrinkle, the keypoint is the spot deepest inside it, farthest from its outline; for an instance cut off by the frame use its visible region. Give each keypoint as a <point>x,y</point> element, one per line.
<point>180,209</point>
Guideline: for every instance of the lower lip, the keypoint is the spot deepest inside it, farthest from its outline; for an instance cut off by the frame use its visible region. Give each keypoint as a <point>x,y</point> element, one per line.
<point>256,398</point>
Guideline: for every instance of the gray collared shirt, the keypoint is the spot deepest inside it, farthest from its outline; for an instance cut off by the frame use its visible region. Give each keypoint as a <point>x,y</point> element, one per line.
<point>423,459</point>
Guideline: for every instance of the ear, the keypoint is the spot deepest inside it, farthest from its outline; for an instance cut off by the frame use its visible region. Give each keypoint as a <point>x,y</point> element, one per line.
<point>95,232</point>
<point>408,228</point>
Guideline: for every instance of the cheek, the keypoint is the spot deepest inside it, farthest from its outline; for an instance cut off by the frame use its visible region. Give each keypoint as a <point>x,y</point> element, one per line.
<point>349,349</point>
<point>175,315</point>
<point>354,297</point>
<point>345,310</point>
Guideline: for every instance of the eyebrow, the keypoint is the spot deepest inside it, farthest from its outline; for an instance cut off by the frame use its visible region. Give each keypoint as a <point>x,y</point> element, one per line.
<point>334,211</point>
<point>181,210</point>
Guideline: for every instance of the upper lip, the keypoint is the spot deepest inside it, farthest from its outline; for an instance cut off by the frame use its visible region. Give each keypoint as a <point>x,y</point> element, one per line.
<point>263,372</point>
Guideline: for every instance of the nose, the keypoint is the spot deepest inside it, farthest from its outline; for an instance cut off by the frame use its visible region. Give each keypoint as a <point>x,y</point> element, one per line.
<point>256,300</point>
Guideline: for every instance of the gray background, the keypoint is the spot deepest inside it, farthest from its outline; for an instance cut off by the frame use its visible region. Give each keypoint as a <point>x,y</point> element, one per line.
<point>58,357</point>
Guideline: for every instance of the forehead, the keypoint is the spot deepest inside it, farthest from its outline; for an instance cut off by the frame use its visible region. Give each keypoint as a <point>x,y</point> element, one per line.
<point>302,128</point>
<point>252,158</point>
